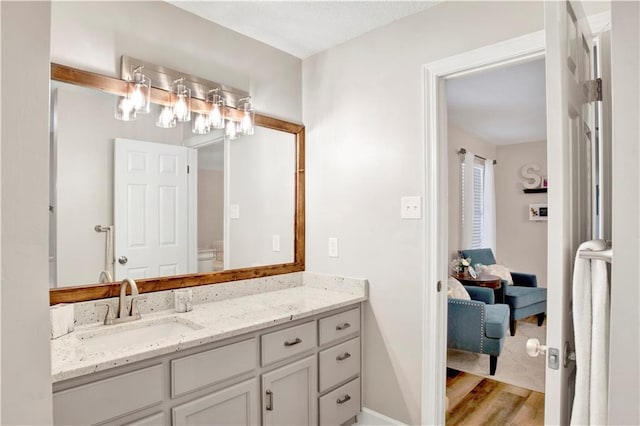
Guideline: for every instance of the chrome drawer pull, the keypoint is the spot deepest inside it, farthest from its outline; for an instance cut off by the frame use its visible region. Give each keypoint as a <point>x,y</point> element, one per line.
<point>343,399</point>
<point>294,342</point>
<point>344,356</point>
<point>343,326</point>
<point>269,401</point>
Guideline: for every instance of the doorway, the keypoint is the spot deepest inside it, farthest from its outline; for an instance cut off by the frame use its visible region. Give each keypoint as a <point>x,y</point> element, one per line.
<point>511,52</point>
<point>496,148</point>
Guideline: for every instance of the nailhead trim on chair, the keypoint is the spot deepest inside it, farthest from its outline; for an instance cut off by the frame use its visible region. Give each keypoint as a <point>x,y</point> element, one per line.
<point>482,324</point>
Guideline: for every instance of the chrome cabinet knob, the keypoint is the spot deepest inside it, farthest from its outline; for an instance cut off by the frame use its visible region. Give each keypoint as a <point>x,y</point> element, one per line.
<point>123,260</point>
<point>534,348</point>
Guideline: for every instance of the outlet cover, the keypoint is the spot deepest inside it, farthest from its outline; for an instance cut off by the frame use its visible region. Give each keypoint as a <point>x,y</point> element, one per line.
<point>276,242</point>
<point>333,247</point>
<point>234,211</point>
<point>411,207</point>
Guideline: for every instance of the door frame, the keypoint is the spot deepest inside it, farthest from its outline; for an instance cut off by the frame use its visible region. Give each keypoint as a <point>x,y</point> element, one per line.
<point>434,304</point>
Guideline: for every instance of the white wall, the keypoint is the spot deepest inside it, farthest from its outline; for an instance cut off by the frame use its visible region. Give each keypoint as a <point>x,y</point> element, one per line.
<point>364,113</point>
<point>26,360</point>
<point>458,138</point>
<point>521,244</point>
<point>261,182</point>
<point>210,208</point>
<point>624,361</point>
<point>93,35</point>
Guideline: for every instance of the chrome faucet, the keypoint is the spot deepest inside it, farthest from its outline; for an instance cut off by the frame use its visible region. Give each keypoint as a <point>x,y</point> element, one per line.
<point>125,314</point>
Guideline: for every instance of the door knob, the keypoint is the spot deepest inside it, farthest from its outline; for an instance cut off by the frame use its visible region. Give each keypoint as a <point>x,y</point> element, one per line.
<point>123,260</point>
<point>534,348</point>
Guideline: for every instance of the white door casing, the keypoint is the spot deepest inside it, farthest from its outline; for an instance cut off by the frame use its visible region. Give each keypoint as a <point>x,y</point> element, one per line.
<point>150,209</point>
<point>569,63</point>
<point>434,308</point>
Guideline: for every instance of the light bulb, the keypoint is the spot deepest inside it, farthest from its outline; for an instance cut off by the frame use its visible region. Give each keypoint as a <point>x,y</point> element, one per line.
<point>137,98</point>
<point>166,118</point>
<point>246,123</point>
<point>215,116</point>
<point>231,130</point>
<point>200,125</point>
<point>125,110</point>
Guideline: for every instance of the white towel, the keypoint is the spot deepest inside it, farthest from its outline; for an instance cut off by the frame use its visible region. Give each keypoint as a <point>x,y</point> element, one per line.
<point>591,325</point>
<point>62,319</point>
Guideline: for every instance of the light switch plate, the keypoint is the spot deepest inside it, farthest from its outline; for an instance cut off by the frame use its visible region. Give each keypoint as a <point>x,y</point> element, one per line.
<point>275,242</point>
<point>234,211</point>
<point>333,247</point>
<point>411,207</point>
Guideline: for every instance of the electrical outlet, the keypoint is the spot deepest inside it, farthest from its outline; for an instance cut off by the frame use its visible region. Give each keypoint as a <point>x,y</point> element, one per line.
<point>333,247</point>
<point>411,207</point>
<point>275,242</point>
<point>234,211</point>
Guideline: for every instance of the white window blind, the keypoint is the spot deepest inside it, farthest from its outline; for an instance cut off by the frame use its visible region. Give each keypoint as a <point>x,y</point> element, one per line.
<point>478,203</point>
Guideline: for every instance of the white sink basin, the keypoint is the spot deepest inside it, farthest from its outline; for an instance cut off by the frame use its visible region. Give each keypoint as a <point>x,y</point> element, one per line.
<point>113,337</point>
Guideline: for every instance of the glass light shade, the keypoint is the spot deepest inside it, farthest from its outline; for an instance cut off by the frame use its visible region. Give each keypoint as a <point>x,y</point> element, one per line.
<point>248,117</point>
<point>200,124</point>
<point>140,92</point>
<point>216,109</point>
<point>124,109</point>
<point>181,101</point>
<point>166,117</point>
<point>231,130</point>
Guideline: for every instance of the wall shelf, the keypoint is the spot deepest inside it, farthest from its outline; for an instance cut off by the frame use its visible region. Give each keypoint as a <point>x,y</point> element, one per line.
<point>534,190</point>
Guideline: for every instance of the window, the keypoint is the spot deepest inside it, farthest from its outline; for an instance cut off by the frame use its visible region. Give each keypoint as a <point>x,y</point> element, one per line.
<point>478,203</point>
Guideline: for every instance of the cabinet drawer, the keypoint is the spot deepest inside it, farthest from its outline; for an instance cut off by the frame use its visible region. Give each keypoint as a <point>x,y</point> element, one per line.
<point>336,326</point>
<point>288,342</point>
<point>340,405</point>
<point>105,399</point>
<point>235,405</point>
<point>339,363</point>
<point>207,368</point>
<point>153,420</point>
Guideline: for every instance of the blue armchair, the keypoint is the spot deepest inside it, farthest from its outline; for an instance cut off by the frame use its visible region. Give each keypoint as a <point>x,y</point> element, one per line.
<point>478,325</point>
<point>524,297</point>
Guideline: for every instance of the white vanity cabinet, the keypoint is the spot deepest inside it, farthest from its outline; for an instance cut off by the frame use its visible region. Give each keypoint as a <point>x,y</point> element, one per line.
<point>304,372</point>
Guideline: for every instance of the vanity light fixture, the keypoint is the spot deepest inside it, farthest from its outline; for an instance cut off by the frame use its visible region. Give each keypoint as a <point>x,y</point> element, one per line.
<point>166,117</point>
<point>248,116</point>
<point>216,109</point>
<point>124,110</point>
<point>231,130</point>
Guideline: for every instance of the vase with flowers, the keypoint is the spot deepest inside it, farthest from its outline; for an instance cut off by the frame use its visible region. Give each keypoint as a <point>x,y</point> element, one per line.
<point>460,264</point>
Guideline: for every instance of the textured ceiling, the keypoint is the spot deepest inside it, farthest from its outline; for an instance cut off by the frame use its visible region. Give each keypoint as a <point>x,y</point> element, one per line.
<point>303,28</point>
<point>502,106</point>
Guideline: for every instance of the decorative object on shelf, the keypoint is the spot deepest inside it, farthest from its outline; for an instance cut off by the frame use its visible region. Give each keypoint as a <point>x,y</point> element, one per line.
<point>544,183</point>
<point>532,179</point>
<point>472,272</point>
<point>459,264</point>
<point>538,212</point>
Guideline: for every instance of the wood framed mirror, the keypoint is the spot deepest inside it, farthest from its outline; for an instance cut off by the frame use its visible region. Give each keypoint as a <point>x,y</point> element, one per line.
<point>78,291</point>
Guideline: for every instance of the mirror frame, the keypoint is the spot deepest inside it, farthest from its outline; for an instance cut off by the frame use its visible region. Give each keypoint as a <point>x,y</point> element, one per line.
<point>116,86</point>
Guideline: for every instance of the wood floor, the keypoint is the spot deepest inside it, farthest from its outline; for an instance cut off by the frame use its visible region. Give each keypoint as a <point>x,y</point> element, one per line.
<point>474,400</point>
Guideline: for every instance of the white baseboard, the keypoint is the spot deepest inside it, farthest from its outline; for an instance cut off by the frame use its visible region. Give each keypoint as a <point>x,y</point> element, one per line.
<point>369,417</point>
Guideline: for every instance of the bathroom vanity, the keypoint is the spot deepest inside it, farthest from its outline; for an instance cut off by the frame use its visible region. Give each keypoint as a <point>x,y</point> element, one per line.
<point>290,356</point>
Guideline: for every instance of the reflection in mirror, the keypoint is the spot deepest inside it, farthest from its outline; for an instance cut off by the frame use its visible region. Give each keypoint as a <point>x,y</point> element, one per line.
<point>169,202</point>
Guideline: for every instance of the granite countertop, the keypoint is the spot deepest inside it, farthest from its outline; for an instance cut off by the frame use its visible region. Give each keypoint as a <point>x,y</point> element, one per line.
<point>217,320</point>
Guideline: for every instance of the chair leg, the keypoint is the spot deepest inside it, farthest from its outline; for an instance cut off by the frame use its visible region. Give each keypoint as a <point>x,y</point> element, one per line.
<point>512,325</point>
<point>541,319</point>
<point>493,363</point>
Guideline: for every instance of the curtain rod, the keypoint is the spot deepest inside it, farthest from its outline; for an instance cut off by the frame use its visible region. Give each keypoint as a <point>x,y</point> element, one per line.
<point>464,151</point>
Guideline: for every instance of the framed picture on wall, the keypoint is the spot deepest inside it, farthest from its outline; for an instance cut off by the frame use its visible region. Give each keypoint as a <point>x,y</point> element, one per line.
<point>538,212</point>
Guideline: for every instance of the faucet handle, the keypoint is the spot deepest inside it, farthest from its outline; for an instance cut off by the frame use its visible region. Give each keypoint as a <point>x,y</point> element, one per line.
<point>108,319</point>
<point>134,305</point>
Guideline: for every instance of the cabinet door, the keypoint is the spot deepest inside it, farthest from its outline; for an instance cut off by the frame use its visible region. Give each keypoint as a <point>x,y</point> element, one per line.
<point>288,394</point>
<point>233,406</point>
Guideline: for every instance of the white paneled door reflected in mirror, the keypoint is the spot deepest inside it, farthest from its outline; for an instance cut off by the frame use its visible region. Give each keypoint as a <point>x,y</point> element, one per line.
<point>131,199</point>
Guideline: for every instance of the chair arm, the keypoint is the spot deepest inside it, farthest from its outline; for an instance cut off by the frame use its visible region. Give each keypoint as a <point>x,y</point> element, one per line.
<point>524,280</point>
<point>482,294</point>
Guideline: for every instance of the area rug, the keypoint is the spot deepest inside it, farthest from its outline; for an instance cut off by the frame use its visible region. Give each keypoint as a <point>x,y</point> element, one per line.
<point>515,367</point>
